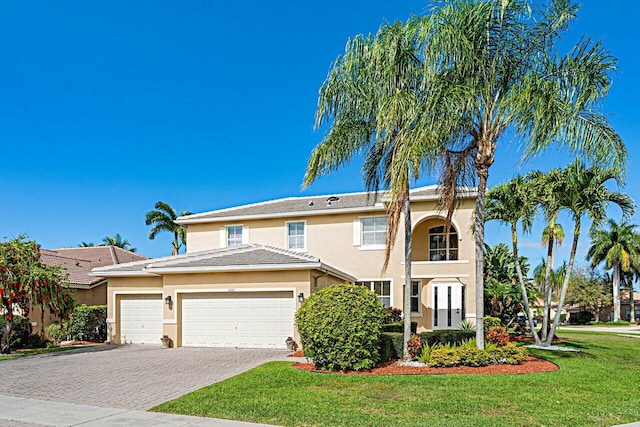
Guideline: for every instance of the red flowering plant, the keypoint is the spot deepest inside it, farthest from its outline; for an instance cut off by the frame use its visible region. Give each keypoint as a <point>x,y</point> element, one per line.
<point>26,281</point>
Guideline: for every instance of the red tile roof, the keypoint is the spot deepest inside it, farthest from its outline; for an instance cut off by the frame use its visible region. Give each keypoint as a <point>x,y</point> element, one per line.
<point>79,261</point>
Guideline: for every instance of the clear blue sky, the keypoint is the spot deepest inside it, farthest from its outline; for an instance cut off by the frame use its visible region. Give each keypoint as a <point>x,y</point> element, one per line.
<point>108,107</point>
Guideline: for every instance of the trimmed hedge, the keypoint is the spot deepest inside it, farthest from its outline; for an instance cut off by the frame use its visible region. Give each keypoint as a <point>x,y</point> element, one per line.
<point>391,346</point>
<point>340,327</point>
<point>89,323</point>
<point>399,327</point>
<point>446,336</point>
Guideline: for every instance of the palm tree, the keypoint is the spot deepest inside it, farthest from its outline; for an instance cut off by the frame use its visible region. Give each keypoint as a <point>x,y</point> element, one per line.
<point>372,106</point>
<point>616,247</point>
<point>86,245</point>
<point>492,67</point>
<point>163,219</point>
<point>511,203</point>
<point>117,241</point>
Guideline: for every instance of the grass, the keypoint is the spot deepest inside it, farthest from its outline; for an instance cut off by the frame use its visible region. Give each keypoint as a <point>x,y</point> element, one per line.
<point>597,386</point>
<point>36,351</point>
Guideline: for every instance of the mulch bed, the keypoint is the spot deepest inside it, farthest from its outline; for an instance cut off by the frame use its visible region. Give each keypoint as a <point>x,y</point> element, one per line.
<point>529,366</point>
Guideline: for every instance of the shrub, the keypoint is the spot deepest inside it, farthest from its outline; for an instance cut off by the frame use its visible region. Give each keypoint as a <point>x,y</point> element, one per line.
<point>443,357</point>
<point>509,354</point>
<point>391,346</point>
<point>446,336</point>
<point>414,346</point>
<point>498,335</point>
<point>340,327</point>
<point>472,356</point>
<point>399,327</point>
<point>57,332</point>
<point>20,331</point>
<point>425,357</point>
<point>391,315</point>
<point>89,323</point>
<point>490,322</point>
<point>583,317</point>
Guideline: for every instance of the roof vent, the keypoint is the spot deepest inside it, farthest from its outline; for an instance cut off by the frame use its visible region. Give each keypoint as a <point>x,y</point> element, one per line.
<point>332,199</point>
<point>311,203</point>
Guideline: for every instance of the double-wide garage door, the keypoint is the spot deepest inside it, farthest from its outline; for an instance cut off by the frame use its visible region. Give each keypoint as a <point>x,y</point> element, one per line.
<point>238,319</point>
<point>140,319</point>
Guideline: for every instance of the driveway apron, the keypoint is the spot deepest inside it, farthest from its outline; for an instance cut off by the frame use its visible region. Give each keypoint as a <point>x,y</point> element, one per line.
<point>128,377</point>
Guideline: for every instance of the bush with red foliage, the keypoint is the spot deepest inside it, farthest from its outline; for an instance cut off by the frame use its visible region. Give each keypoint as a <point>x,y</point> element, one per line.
<point>498,335</point>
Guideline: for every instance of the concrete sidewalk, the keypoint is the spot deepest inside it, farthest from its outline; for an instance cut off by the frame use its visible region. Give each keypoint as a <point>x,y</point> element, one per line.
<point>22,412</point>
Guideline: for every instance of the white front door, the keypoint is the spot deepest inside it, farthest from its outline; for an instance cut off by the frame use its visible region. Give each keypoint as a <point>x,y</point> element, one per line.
<point>238,319</point>
<point>141,319</point>
<point>448,304</point>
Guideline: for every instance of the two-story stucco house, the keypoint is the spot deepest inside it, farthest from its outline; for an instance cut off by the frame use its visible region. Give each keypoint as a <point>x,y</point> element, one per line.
<point>248,269</point>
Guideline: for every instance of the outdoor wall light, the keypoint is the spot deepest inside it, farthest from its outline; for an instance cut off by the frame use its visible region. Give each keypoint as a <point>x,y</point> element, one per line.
<point>167,300</point>
<point>301,297</point>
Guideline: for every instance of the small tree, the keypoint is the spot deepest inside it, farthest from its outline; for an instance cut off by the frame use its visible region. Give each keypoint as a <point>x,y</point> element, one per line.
<point>340,327</point>
<point>589,290</point>
<point>26,281</point>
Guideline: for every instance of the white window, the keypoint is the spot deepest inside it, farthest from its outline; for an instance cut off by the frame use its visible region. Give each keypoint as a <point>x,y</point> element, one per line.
<point>443,246</point>
<point>234,235</point>
<point>296,237</point>
<point>415,296</point>
<point>381,287</point>
<point>374,232</point>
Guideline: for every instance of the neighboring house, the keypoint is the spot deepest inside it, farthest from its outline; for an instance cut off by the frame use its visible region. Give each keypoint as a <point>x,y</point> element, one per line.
<point>78,262</point>
<point>248,268</point>
<point>606,313</point>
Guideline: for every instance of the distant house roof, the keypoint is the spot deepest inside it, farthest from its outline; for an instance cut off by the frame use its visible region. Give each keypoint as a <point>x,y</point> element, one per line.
<point>251,257</point>
<point>311,205</point>
<point>80,261</point>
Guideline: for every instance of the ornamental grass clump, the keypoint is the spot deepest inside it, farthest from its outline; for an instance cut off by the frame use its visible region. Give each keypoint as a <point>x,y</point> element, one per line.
<point>340,328</point>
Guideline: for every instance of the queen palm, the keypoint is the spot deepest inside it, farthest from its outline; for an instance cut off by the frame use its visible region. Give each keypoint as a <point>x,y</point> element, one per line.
<point>117,241</point>
<point>163,219</point>
<point>373,108</point>
<point>615,247</point>
<point>492,68</point>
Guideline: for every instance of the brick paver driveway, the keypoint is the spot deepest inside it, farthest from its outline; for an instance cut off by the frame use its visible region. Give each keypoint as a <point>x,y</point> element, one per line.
<point>130,377</point>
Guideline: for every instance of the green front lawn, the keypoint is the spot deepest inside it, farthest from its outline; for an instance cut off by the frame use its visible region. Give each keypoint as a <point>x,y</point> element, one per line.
<point>598,386</point>
<point>36,351</point>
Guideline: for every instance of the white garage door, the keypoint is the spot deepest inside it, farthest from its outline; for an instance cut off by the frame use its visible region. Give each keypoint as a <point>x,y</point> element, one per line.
<point>242,319</point>
<point>141,319</point>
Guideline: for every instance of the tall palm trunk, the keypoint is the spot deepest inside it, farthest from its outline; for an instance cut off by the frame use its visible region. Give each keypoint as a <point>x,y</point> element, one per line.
<point>523,286</point>
<point>547,280</point>
<point>565,283</point>
<point>407,274</point>
<point>632,306</point>
<point>483,175</point>
<point>616,292</point>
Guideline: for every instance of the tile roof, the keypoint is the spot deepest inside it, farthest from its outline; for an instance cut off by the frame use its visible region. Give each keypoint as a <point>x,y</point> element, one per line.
<point>310,205</point>
<point>242,257</point>
<point>80,261</point>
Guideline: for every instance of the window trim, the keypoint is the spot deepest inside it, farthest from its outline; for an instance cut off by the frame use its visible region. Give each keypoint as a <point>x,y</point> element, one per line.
<point>244,237</point>
<point>364,246</point>
<point>419,296</point>
<point>304,235</point>
<point>385,279</point>
<point>447,248</point>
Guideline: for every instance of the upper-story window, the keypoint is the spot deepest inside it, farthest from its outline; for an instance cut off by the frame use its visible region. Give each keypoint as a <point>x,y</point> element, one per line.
<point>234,235</point>
<point>443,246</point>
<point>296,236</point>
<point>374,231</point>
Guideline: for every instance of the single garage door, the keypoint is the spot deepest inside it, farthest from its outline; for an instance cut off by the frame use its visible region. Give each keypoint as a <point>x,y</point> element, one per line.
<point>141,319</point>
<point>238,319</point>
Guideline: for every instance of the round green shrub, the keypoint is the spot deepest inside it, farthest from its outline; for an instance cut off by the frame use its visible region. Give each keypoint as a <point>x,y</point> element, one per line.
<point>340,327</point>
<point>472,356</point>
<point>509,354</point>
<point>584,317</point>
<point>444,357</point>
<point>490,322</point>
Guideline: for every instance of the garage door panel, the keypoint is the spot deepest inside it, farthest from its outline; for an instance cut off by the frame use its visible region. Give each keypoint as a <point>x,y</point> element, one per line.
<point>250,320</point>
<point>141,319</point>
